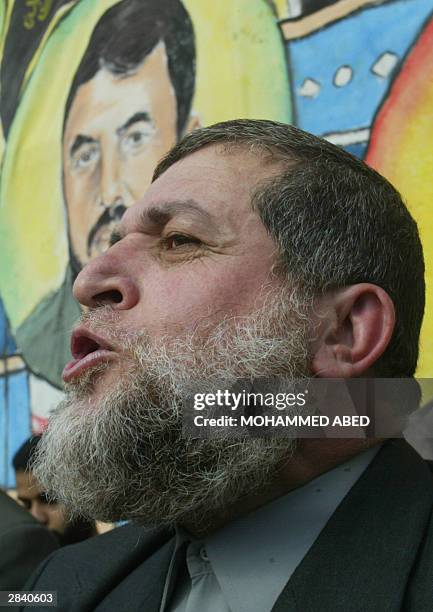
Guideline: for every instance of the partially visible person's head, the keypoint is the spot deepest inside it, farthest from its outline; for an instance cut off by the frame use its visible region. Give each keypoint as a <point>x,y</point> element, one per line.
<point>30,493</point>
<point>44,509</point>
<point>128,104</point>
<point>258,251</point>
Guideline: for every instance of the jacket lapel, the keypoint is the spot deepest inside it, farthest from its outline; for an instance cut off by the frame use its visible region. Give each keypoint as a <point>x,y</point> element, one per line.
<point>363,557</point>
<point>123,570</point>
<point>142,589</point>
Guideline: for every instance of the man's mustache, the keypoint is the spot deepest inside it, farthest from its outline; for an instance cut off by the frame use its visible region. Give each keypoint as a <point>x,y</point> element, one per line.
<point>110,214</point>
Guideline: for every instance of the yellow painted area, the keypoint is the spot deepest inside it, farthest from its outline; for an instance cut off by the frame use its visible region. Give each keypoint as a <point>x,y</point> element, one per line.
<point>32,217</point>
<point>411,172</point>
<point>5,13</point>
<point>241,65</point>
<point>426,385</point>
<point>282,8</point>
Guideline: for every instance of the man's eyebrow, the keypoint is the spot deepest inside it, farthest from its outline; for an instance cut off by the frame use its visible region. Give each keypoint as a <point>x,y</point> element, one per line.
<point>143,116</point>
<point>79,141</point>
<point>157,216</point>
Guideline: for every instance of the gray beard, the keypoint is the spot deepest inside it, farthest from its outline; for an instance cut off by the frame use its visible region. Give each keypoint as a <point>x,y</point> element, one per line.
<point>125,458</point>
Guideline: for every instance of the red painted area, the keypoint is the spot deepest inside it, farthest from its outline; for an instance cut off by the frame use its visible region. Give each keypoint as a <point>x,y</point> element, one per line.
<point>404,100</point>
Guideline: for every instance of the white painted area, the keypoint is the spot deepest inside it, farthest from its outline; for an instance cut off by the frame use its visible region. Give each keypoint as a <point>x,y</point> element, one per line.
<point>385,64</point>
<point>309,89</point>
<point>343,139</point>
<point>294,7</point>
<point>343,76</point>
<point>43,397</point>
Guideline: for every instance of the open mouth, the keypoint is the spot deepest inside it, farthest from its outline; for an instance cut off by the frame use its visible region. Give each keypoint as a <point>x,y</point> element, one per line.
<point>88,350</point>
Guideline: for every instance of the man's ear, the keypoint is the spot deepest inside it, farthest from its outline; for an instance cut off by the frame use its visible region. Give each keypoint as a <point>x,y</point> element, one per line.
<point>355,326</point>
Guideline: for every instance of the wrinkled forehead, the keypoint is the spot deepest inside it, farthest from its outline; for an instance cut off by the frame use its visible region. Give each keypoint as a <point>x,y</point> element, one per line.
<point>216,181</point>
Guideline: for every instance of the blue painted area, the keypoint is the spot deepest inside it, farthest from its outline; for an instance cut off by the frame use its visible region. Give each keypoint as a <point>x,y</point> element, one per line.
<point>357,41</point>
<point>3,329</point>
<point>11,347</point>
<point>3,433</point>
<point>357,149</point>
<point>15,418</point>
<point>7,343</point>
<point>19,419</point>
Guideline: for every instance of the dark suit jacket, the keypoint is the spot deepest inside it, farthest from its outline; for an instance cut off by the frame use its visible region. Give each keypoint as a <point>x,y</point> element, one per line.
<point>374,555</point>
<point>24,543</point>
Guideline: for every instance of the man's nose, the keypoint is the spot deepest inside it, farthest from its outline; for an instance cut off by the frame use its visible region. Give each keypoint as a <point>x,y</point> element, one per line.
<point>106,281</point>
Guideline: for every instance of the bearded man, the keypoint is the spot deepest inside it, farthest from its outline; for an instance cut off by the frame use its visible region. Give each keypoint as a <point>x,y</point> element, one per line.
<point>258,251</point>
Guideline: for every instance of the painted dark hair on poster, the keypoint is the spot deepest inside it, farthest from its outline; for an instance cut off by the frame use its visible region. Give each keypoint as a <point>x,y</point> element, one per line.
<point>25,33</point>
<point>128,32</point>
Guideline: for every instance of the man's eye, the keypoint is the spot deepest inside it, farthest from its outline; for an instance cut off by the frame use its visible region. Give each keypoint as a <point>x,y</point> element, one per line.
<point>135,138</point>
<point>138,136</point>
<point>86,156</point>
<point>176,241</point>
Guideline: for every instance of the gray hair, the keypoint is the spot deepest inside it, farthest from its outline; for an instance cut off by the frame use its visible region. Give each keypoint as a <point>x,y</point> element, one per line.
<point>335,220</point>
